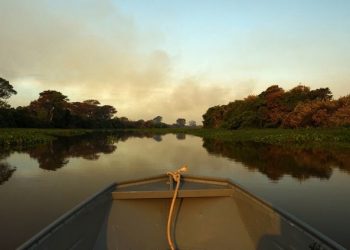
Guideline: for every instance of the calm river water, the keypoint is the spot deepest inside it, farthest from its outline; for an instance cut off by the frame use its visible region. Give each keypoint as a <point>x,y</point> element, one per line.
<point>39,184</point>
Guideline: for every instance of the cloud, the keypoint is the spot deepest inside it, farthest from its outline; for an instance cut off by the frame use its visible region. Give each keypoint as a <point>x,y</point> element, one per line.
<point>90,42</point>
<point>90,50</point>
<point>190,99</point>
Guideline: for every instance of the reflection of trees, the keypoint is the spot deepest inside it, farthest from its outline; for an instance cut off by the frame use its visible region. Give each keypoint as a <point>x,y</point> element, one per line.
<point>276,161</point>
<point>181,136</point>
<point>125,135</point>
<point>57,153</point>
<point>6,172</point>
<point>157,138</point>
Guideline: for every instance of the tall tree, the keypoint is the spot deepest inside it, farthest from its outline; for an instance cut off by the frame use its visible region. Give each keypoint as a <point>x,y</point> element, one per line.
<point>157,120</point>
<point>6,90</point>
<point>86,109</point>
<point>321,94</point>
<point>214,117</point>
<point>181,122</point>
<point>50,105</point>
<point>192,123</point>
<point>105,112</point>
<point>272,111</point>
<point>90,109</point>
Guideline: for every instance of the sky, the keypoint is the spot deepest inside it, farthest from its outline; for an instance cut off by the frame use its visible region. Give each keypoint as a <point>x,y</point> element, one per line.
<point>172,58</point>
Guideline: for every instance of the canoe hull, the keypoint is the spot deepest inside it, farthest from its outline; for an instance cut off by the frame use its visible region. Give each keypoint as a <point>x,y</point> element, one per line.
<point>209,214</point>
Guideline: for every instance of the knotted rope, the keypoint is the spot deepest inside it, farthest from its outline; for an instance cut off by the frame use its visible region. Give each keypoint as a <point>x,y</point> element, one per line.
<point>176,176</point>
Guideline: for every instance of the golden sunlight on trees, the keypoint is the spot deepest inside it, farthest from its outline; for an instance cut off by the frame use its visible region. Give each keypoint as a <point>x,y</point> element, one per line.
<point>299,107</point>
<point>53,109</point>
<point>341,117</point>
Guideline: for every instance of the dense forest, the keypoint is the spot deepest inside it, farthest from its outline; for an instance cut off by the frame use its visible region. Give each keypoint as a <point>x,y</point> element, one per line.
<point>54,110</point>
<point>299,107</point>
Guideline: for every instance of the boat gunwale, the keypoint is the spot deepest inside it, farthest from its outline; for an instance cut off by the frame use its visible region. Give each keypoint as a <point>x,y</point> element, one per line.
<point>289,218</point>
<point>64,217</point>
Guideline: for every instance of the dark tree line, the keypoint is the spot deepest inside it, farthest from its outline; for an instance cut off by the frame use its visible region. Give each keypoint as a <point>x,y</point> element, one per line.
<point>54,110</point>
<point>299,107</point>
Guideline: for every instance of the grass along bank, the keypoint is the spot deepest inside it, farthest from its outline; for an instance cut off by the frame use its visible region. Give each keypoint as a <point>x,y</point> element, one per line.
<point>303,137</point>
<point>28,136</point>
<point>310,136</point>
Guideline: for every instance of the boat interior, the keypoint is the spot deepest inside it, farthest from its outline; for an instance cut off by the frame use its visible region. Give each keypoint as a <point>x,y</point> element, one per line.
<point>208,214</point>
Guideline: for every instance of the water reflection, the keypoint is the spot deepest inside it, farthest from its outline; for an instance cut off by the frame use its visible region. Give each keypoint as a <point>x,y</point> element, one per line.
<point>157,138</point>
<point>110,159</point>
<point>181,136</point>
<point>272,161</point>
<point>6,172</point>
<point>276,161</point>
<point>56,154</point>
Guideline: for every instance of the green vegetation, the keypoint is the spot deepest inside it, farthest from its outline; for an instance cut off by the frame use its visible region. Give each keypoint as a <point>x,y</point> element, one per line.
<point>283,136</point>
<point>306,137</point>
<point>299,107</point>
<point>25,137</point>
<point>299,116</point>
<point>54,110</point>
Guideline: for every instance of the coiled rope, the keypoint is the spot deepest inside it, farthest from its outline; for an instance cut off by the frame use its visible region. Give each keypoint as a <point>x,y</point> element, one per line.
<point>176,176</point>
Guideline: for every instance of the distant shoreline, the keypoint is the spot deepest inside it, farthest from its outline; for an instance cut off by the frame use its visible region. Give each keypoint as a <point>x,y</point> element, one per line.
<point>297,137</point>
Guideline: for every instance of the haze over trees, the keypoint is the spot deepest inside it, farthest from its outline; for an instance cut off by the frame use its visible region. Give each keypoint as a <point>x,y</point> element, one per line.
<point>53,109</point>
<point>299,107</point>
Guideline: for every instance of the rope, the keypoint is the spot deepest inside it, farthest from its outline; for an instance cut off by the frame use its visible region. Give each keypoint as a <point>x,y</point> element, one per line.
<point>177,178</point>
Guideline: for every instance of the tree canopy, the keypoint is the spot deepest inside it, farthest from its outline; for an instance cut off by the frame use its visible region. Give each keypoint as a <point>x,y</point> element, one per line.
<point>299,107</point>
<point>181,122</point>
<point>6,90</point>
<point>296,108</point>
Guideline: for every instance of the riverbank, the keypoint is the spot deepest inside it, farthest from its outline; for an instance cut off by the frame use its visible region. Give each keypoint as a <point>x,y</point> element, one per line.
<point>29,136</point>
<point>304,137</point>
